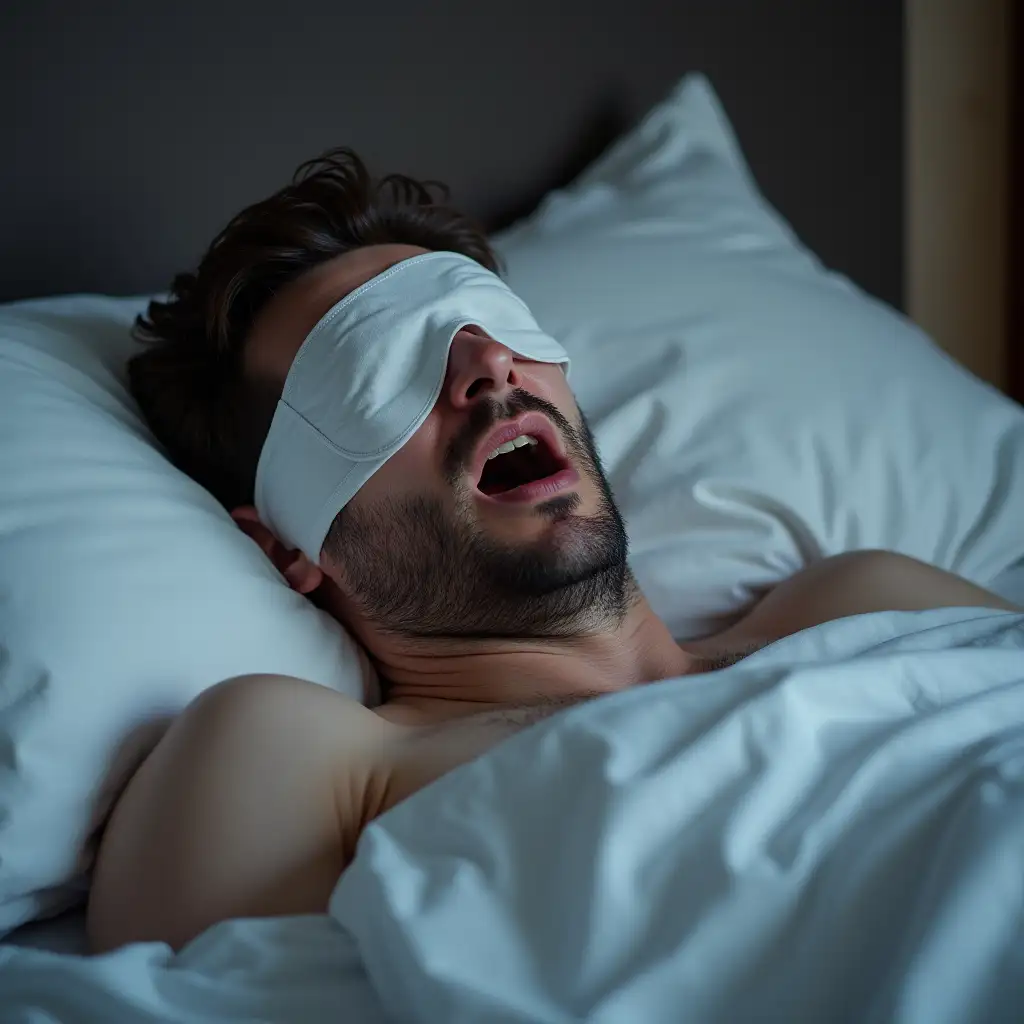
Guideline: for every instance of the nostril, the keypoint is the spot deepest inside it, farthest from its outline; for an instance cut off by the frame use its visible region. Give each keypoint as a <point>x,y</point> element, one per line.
<point>474,389</point>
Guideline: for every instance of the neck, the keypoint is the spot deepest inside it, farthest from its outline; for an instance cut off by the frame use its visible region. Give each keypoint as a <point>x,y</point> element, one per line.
<point>442,678</point>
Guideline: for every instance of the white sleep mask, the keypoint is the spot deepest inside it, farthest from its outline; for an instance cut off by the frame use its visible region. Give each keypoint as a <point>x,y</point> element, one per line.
<point>367,376</point>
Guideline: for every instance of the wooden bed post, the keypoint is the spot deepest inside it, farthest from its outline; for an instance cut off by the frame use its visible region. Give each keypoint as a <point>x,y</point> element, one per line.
<point>957,181</point>
<point>1015,340</point>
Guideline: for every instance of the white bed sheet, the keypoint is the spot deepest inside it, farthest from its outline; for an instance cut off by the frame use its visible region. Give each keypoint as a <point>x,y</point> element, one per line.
<point>832,829</point>
<point>291,970</point>
<point>62,934</point>
<point>1009,584</point>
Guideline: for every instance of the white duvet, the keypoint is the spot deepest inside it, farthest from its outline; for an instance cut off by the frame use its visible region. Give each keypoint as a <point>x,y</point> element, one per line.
<point>831,830</point>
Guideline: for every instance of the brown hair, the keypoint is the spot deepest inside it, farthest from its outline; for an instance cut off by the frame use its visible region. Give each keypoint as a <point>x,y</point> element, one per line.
<point>190,382</point>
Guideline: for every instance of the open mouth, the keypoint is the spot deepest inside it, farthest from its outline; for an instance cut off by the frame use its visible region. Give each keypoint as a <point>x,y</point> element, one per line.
<point>524,460</point>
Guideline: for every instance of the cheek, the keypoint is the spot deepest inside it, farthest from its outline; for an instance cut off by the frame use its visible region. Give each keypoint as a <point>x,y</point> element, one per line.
<point>549,382</point>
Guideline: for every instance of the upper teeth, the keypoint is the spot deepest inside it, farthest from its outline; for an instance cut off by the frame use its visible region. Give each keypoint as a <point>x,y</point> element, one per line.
<point>516,442</point>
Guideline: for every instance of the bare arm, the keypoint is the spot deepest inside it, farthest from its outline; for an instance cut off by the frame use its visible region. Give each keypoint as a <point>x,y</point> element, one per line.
<point>852,584</point>
<point>249,806</point>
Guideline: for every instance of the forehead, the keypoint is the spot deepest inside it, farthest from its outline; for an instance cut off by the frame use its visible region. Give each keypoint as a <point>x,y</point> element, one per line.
<point>282,325</point>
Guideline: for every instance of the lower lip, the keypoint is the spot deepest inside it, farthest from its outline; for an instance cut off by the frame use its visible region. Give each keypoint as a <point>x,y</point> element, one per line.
<point>537,490</point>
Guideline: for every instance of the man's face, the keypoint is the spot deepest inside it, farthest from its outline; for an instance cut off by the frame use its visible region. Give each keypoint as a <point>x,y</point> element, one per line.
<point>443,540</point>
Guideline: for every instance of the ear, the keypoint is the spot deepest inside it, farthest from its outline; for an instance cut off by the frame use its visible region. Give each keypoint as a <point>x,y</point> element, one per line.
<point>302,574</point>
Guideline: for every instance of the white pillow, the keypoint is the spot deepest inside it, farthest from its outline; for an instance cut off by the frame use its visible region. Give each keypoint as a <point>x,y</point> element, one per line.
<point>125,590</point>
<point>755,412</point>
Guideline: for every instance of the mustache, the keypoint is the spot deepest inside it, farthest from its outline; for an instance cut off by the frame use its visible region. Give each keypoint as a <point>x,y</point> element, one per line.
<point>482,418</point>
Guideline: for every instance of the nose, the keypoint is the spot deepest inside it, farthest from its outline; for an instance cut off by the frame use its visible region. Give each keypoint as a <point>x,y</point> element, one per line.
<point>478,367</point>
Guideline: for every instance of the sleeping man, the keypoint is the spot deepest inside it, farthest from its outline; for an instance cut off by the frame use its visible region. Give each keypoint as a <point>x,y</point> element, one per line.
<point>347,373</point>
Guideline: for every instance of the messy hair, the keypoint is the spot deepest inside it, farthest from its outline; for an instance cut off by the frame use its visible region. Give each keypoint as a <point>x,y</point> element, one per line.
<point>190,382</point>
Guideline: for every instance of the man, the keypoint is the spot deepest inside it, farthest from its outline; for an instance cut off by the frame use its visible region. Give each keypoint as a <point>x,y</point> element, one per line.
<point>383,417</point>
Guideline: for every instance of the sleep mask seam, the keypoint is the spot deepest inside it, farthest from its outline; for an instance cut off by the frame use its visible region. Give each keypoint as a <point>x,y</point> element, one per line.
<point>331,500</point>
<point>392,446</point>
<point>337,449</point>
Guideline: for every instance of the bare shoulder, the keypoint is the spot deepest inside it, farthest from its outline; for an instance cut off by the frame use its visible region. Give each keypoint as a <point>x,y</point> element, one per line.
<point>287,701</point>
<point>852,583</point>
<point>250,805</point>
<point>877,580</point>
<point>291,719</point>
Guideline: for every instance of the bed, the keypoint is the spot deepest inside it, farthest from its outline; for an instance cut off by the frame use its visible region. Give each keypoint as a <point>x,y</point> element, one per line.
<point>762,150</point>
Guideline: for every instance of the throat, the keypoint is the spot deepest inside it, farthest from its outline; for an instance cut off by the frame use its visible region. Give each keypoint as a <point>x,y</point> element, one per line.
<point>518,711</point>
<point>475,714</point>
<point>438,680</point>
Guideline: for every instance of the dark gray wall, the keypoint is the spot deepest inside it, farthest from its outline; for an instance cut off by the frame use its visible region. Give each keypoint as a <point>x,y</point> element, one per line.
<point>131,131</point>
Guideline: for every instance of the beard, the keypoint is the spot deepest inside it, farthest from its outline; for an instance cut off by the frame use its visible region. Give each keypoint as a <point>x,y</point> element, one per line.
<point>414,567</point>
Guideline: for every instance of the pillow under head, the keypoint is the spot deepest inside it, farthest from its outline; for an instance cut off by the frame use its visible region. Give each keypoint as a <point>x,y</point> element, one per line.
<point>125,591</point>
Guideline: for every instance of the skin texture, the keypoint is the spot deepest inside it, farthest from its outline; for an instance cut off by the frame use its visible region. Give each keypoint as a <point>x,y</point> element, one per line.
<point>253,801</point>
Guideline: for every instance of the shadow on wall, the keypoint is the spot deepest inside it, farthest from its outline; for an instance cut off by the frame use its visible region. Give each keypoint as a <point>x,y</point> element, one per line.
<point>607,123</point>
